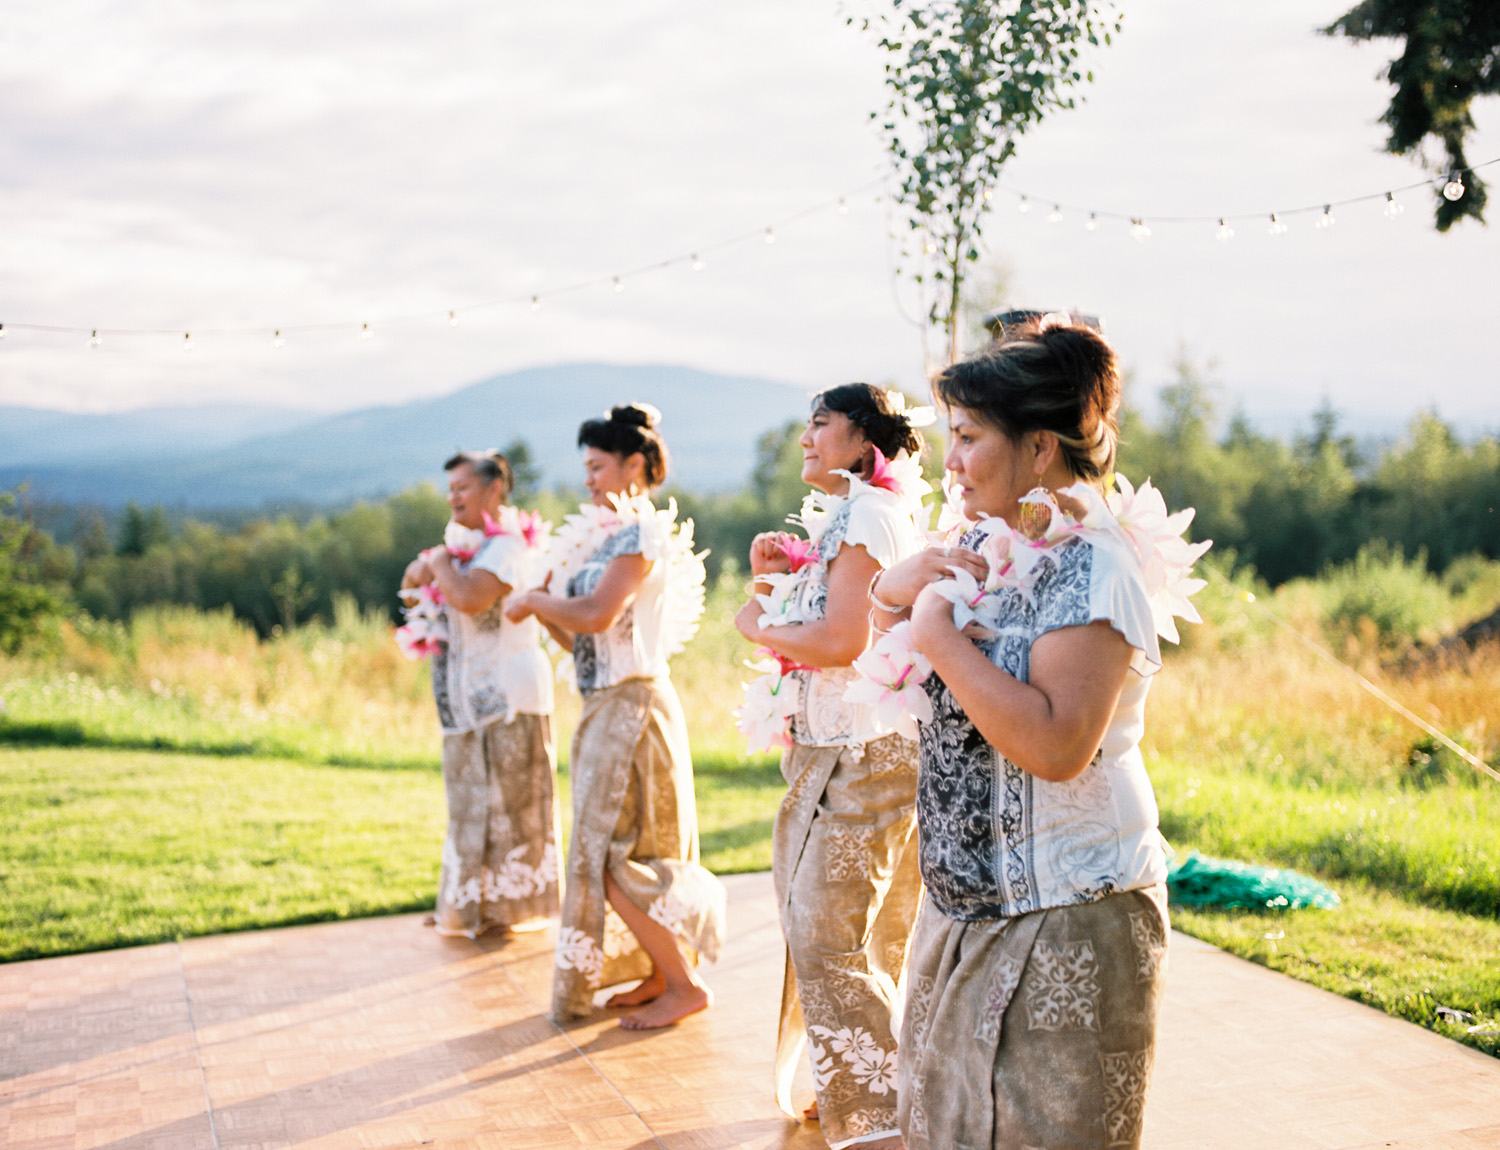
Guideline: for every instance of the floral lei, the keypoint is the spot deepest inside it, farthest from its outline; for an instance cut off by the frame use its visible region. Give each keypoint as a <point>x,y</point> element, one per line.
<point>765,717</point>
<point>425,629</point>
<point>892,671</point>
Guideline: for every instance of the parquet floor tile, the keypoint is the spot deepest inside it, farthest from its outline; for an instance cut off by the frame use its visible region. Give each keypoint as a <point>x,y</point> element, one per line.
<point>378,1033</point>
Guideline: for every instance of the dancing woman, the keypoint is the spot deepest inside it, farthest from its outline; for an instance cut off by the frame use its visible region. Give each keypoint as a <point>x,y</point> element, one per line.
<point>636,903</point>
<point>1036,967</point>
<point>493,689</point>
<point>846,883</point>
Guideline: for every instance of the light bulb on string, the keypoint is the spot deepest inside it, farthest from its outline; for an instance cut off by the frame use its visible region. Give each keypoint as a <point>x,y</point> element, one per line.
<point>187,341</point>
<point>2,331</point>
<point>93,340</point>
<point>536,303</point>
<point>1055,215</point>
<point>453,319</point>
<point>619,285</point>
<point>989,195</point>
<point>698,265</point>
<point>1092,223</point>
<point>1139,230</point>
<point>1453,190</point>
<point>365,332</point>
<point>1393,206</point>
<point>843,206</point>
<point>276,340</point>
<point>770,236</point>
<point>1225,232</point>
<point>929,247</point>
<point>1278,225</point>
<point>1024,206</point>
<point>1325,221</point>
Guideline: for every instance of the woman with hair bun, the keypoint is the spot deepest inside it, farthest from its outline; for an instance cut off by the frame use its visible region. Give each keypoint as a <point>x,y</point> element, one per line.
<point>629,592</point>
<point>1036,967</point>
<point>847,886</point>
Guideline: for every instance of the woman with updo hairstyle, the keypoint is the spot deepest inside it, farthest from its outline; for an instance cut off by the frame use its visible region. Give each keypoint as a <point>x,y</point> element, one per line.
<point>1036,968</point>
<point>624,594</point>
<point>847,886</point>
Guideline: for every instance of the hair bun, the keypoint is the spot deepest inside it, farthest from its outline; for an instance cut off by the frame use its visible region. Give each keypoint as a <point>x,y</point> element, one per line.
<point>635,415</point>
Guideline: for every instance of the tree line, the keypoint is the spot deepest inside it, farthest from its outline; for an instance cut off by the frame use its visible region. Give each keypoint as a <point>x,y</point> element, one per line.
<point>1286,507</point>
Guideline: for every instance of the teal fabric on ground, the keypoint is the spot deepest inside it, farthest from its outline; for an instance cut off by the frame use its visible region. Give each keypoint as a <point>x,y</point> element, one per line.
<point>1201,881</point>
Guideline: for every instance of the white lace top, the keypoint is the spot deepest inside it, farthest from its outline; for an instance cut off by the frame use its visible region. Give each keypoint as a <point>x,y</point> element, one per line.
<point>996,841</point>
<point>491,669</point>
<point>665,611</point>
<point>885,525</point>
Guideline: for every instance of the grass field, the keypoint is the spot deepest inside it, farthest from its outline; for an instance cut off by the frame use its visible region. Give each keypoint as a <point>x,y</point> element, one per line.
<point>178,777</point>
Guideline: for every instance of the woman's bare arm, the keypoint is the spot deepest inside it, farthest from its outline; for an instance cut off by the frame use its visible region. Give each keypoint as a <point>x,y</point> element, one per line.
<point>838,638</point>
<point>470,591</point>
<point>1050,727</point>
<point>585,614</point>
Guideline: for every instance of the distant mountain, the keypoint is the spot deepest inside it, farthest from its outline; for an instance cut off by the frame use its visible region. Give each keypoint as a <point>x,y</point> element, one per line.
<point>710,423</point>
<point>31,435</point>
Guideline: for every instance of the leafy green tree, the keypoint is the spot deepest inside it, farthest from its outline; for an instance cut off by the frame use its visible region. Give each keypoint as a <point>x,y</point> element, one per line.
<point>966,79</point>
<point>1450,55</point>
<point>27,603</point>
<point>142,530</point>
<point>525,470</point>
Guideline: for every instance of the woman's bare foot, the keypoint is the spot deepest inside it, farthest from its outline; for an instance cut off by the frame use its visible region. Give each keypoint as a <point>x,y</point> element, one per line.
<point>811,1113</point>
<point>672,1005</point>
<point>429,920</point>
<point>647,990</point>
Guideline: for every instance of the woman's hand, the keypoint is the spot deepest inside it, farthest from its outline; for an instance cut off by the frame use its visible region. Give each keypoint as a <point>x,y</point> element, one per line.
<point>931,621</point>
<point>747,621</point>
<point>418,572</point>
<point>519,607</point>
<point>766,555</point>
<point>901,584</point>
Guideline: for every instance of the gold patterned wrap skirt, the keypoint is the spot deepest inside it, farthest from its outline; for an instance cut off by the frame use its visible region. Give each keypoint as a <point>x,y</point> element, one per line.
<point>633,816</point>
<point>844,861</point>
<point>1034,1031</point>
<point>500,854</point>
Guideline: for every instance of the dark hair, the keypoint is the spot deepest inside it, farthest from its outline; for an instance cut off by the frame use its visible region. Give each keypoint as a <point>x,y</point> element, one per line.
<point>488,465</point>
<point>627,429</point>
<point>869,409</point>
<point>1062,378</point>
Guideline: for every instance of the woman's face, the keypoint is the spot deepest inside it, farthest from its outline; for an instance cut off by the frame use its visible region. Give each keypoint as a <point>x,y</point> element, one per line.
<point>606,474</point>
<point>829,443</point>
<point>992,471</point>
<point>469,496</point>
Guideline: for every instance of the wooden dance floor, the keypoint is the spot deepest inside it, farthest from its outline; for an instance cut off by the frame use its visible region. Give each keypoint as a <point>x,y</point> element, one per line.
<point>378,1033</point>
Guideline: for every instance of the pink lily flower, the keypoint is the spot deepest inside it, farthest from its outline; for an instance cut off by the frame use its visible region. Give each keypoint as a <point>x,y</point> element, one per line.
<point>799,552</point>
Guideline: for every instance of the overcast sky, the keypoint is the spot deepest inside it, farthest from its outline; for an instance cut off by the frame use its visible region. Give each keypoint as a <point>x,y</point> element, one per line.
<point>189,167</point>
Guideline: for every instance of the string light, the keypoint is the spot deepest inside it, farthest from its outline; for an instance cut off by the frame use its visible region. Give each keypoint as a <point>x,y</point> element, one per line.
<point>989,194</point>
<point>843,211</point>
<point>1393,206</point>
<point>365,332</point>
<point>536,303</point>
<point>1325,221</point>
<point>1092,223</point>
<point>1024,206</point>
<point>94,340</point>
<point>453,319</point>
<point>1278,225</point>
<point>1055,215</point>
<point>619,285</point>
<point>698,265</point>
<point>1453,190</point>
<point>2,331</point>
<point>1138,229</point>
<point>276,340</point>
<point>770,236</point>
<point>1225,232</point>
<point>929,247</point>
<point>187,341</point>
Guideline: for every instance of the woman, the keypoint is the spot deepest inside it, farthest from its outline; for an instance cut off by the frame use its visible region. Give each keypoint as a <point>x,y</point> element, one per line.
<point>846,884</point>
<point>637,903</point>
<point>493,687</point>
<point>1036,967</point>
